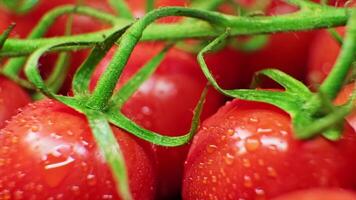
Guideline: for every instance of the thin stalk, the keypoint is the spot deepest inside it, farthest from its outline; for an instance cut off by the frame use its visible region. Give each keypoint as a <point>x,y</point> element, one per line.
<point>335,80</point>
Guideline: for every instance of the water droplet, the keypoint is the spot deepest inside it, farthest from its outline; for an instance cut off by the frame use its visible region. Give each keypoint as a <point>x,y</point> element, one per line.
<point>18,194</point>
<point>35,128</point>
<point>247,181</point>
<point>252,144</point>
<point>271,172</point>
<point>91,179</point>
<point>213,179</point>
<point>261,162</point>
<point>146,110</point>
<point>75,189</point>
<point>14,139</point>
<point>264,130</point>
<point>246,163</point>
<point>253,119</point>
<point>205,180</point>
<point>260,194</point>
<point>39,188</point>
<point>20,174</point>
<point>59,196</point>
<point>211,148</point>
<point>283,132</point>
<point>229,158</point>
<point>107,196</point>
<point>230,132</point>
<point>56,169</point>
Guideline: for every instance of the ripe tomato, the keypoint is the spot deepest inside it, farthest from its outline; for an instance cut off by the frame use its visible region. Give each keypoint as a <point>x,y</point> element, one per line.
<point>226,65</point>
<point>247,150</point>
<point>12,97</point>
<point>164,103</point>
<point>285,51</point>
<point>342,98</point>
<point>324,194</point>
<point>25,23</point>
<point>48,152</point>
<point>321,63</point>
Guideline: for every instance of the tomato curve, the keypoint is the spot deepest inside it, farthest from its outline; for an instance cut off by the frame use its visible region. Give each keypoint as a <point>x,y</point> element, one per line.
<point>48,151</point>
<point>248,150</point>
<point>12,97</point>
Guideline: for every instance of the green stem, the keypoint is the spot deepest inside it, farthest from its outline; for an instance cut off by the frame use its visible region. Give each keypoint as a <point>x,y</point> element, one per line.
<point>335,35</point>
<point>335,80</point>
<point>318,17</point>
<point>107,82</point>
<point>13,66</point>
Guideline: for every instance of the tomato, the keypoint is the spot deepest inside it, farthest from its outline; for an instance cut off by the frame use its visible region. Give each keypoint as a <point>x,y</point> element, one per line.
<point>25,23</point>
<point>325,194</point>
<point>342,98</point>
<point>285,51</point>
<point>226,65</point>
<point>247,150</point>
<point>12,97</point>
<point>164,103</point>
<point>48,152</point>
<point>321,63</point>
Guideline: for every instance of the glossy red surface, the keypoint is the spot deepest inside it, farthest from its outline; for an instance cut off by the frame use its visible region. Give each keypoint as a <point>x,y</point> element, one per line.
<point>247,150</point>
<point>48,151</point>
<point>12,97</point>
<point>319,193</point>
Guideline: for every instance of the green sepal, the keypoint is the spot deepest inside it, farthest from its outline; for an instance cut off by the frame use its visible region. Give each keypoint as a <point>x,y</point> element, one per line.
<point>6,34</point>
<point>111,150</point>
<point>276,98</point>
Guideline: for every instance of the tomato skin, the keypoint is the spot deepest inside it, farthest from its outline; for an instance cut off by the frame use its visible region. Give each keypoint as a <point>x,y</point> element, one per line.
<point>342,98</point>
<point>12,97</point>
<point>25,23</point>
<point>247,150</point>
<point>285,51</point>
<point>226,65</point>
<point>48,151</point>
<point>165,104</point>
<point>318,193</point>
<point>321,63</point>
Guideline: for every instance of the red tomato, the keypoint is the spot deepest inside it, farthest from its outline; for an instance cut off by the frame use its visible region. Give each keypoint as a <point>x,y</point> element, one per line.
<point>25,23</point>
<point>48,151</point>
<point>226,65</point>
<point>12,97</point>
<point>324,194</point>
<point>285,51</point>
<point>321,63</point>
<point>164,103</point>
<point>247,150</point>
<point>342,98</point>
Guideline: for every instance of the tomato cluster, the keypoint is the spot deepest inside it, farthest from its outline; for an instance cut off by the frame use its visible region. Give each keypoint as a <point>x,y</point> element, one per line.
<point>242,150</point>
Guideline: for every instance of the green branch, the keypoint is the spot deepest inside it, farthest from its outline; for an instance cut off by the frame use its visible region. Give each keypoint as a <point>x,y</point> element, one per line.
<point>319,17</point>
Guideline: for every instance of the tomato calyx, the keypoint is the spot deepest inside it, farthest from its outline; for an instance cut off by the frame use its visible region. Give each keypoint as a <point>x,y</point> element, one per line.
<point>311,113</point>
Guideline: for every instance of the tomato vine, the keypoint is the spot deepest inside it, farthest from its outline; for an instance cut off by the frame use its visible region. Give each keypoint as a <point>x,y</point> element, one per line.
<point>101,106</point>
